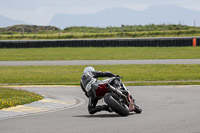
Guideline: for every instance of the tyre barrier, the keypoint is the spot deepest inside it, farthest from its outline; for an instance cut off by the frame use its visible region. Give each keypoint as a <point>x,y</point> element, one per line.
<point>145,42</point>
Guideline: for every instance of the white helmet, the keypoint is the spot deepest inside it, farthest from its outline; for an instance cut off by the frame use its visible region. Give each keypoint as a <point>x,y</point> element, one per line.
<point>88,69</point>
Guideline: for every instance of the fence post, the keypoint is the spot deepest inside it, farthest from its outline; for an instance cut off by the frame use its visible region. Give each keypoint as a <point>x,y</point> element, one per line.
<point>47,32</point>
<point>135,30</point>
<point>72,32</point>
<point>194,27</point>
<point>180,26</point>
<point>59,32</point>
<point>97,30</point>
<point>84,30</point>
<point>35,32</point>
<point>122,28</point>
<point>22,32</point>
<point>164,27</point>
<point>11,34</point>
<point>149,29</point>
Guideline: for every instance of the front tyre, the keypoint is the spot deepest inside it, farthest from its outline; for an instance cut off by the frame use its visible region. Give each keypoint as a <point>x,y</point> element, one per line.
<point>115,105</point>
<point>138,110</point>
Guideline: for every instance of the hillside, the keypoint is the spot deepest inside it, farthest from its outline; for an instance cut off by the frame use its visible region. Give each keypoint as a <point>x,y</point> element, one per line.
<point>116,16</point>
<point>4,22</point>
<point>28,28</point>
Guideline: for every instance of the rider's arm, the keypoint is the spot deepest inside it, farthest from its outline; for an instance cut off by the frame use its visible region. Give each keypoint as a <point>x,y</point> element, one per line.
<point>103,74</point>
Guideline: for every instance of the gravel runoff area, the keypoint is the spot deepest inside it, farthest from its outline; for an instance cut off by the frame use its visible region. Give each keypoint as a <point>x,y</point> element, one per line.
<point>99,62</point>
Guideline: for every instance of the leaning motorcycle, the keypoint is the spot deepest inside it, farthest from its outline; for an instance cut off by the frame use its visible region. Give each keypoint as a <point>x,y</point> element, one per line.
<point>117,96</point>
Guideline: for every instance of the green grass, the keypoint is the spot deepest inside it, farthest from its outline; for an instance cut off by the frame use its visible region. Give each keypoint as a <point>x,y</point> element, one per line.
<point>80,35</point>
<point>71,74</point>
<point>131,28</point>
<point>100,53</point>
<point>125,31</point>
<point>11,97</point>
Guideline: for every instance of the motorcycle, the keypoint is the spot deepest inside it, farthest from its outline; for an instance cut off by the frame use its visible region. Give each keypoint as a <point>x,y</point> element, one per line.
<point>117,96</point>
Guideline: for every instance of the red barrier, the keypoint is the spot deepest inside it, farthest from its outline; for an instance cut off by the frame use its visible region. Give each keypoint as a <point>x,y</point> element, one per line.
<point>194,42</point>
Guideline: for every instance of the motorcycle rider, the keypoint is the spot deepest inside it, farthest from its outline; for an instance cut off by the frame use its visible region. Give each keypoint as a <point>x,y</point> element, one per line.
<point>89,83</point>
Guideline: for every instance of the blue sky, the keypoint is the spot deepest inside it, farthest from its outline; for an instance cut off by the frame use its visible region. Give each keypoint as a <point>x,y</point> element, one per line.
<point>41,11</point>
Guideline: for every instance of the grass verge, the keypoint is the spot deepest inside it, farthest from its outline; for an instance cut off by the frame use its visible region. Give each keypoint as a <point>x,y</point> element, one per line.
<point>120,53</point>
<point>94,35</point>
<point>70,75</point>
<point>11,97</point>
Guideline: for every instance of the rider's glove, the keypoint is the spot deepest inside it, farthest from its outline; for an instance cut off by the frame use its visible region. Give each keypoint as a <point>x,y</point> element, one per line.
<point>117,76</point>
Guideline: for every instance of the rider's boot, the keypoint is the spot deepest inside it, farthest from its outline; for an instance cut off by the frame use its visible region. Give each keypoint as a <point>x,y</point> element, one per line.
<point>93,110</point>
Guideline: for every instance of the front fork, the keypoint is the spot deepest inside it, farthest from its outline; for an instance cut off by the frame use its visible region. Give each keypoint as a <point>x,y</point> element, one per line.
<point>131,103</point>
<point>130,100</point>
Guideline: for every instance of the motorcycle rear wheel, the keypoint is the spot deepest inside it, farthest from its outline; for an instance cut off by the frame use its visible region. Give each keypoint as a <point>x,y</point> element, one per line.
<point>115,105</point>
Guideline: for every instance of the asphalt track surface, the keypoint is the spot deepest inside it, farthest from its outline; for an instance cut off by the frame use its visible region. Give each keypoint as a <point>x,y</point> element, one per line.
<point>173,109</point>
<point>99,62</point>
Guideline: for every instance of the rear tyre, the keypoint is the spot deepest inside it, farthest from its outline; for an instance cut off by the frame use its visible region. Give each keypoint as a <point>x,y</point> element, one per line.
<point>115,105</point>
<point>138,110</point>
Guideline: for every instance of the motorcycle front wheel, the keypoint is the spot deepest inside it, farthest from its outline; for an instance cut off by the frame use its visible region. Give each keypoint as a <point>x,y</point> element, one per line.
<point>115,105</point>
<point>138,110</point>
